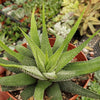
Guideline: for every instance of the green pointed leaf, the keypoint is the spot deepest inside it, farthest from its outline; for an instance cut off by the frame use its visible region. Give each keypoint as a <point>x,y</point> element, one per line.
<point>24,51</point>
<point>33,31</point>
<point>54,58</point>
<point>33,71</point>
<point>36,51</point>
<point>40,88</point>
<point>69,55</point>
<point>11,58</point>
<point>10,88</point>
<point>8,50</point>
<point>45,45</point>
<point>30,70</point>
<point>17,80</point>
<point>16,70</point>
<point>28,61</point>
<point>78,68</point>
<point>51,75</point>
<point>22,59</point>
<point>76,89</point>
<point>7,61</point>
<point>54,92</point>
<point>28,92</point>
<point>46,58</point>
<point>40,64</point>
<point>73,30</point>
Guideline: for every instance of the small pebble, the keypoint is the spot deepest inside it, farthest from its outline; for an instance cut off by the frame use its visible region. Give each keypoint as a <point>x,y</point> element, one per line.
<point>8,73</point>
<point>91,54</point>
<point>85,51</point>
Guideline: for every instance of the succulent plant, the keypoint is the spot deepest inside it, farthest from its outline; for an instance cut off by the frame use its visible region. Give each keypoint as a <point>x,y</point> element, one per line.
<point>63,27</point>
<point>1,6</point>
<point>40,68</point>
<point>14,7</point>
<point>69,6</point>
<point>7,9</point>
<point>90,18</point>
<point>8,21</point>
<point>2,18</point>
<point>20,2</point>
<point>7,3</point>
<point>86,1</point>
<point>20,13</point>
<point>17,13</point>
<point>4,39</point>
<point>27,9</point>
<point>52,9</point>
<point>10,30</point>
<point>66,18</point>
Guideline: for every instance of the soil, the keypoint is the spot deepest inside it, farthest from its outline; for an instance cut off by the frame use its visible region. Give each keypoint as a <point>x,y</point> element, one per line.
<point>16,94</point>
